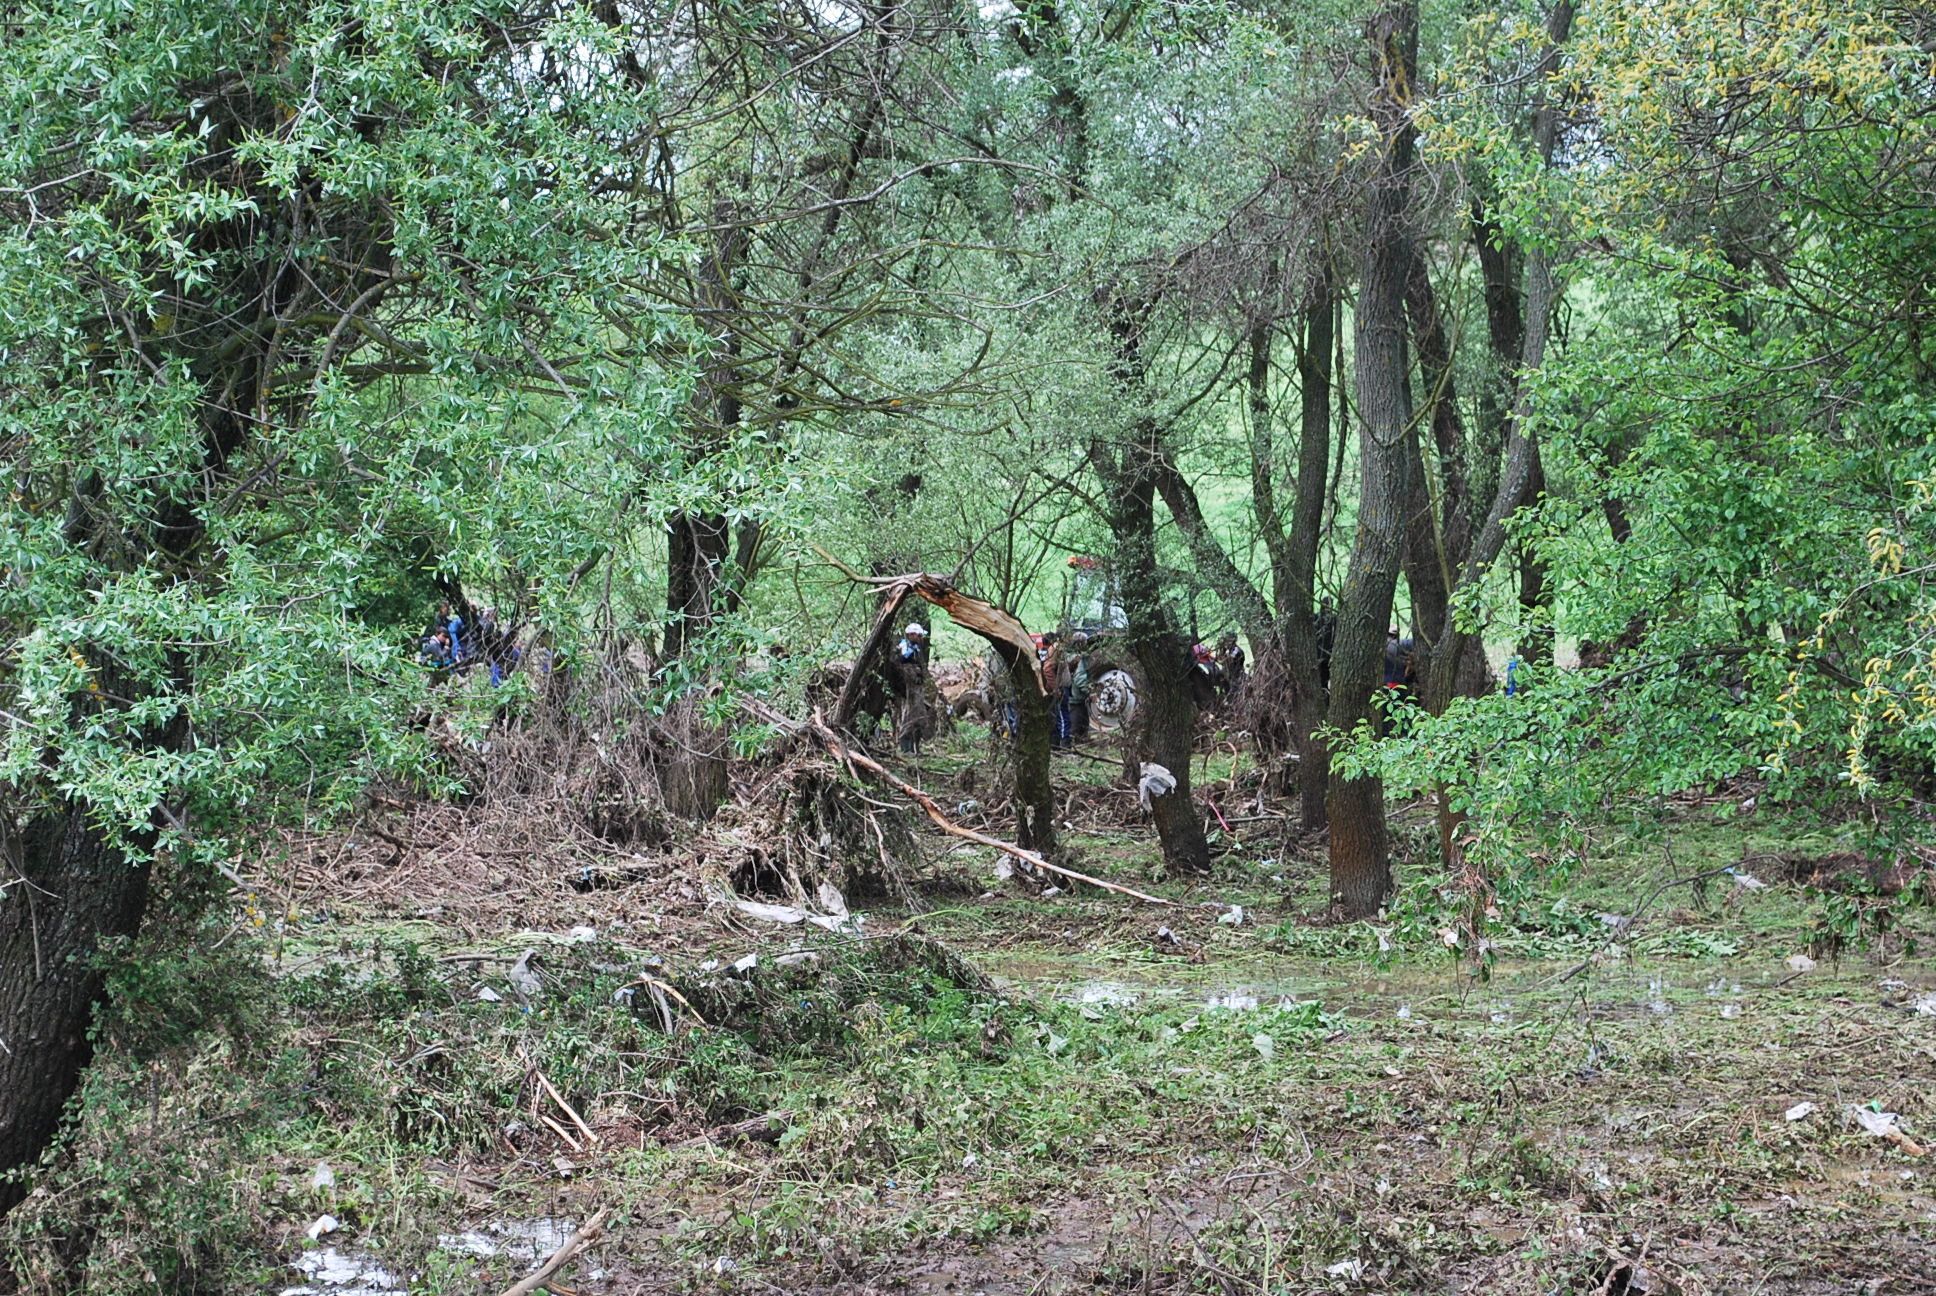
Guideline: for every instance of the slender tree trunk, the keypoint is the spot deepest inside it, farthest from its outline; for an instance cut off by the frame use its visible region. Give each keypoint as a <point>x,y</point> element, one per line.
<point>70,892</point>
<point>1297,584</point>
<point>1535,600</point>
<point>1360,844</point>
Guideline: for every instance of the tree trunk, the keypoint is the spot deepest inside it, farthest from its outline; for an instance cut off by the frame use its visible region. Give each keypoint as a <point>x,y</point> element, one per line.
<point>1297,586</point>
<point>1535,599</point>
<point>695,561</point>
<point>1034,793</point>
<point>72,893</point>
<point>1169,713</point>
<point>698,543</point>
<point>1005,633</point>
<point>1360,844</point>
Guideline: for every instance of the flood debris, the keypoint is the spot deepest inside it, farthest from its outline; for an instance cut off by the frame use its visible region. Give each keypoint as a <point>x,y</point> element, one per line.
<point>1883,1125</point>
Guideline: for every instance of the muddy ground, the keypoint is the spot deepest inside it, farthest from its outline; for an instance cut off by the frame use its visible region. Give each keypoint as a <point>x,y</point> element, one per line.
<point>1015,1092</point>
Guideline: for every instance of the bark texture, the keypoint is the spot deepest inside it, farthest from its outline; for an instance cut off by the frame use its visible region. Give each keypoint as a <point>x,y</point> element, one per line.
<point>1360,844</point>
<point>69,891</point>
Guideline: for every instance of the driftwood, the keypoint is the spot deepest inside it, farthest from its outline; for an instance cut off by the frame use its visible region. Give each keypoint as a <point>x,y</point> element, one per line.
<point>841,752</point>
<point>592,1230</point>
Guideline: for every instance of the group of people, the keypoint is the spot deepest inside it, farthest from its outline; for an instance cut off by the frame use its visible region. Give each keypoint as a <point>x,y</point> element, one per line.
<point>450,645</point>
<point>1067,676</point>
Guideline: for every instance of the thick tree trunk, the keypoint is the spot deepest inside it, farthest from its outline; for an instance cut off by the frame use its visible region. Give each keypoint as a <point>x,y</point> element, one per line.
<point>1034,793</point>
<point>698,544</point>
<point>70,893</point>
<point>1164,703</point>
<point>1360,844</point>
<point>695,560</point>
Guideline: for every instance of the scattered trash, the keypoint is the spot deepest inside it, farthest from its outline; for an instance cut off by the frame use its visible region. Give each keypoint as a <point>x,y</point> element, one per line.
<point>790,914</point>
<point>1004,870</point>
<point>1352,1269</point>
<point>1090,1012</point>
<point>563,1167</point>
<point>1799,1111</point>
<point>338,1274</point>
<point>831,900</point>
<point>529,1241</point>
<point>1450,937</point>
<point>1382,1187</point>
<point>1054,1043</point>
<point>1404,1012</point>
<point>1883,1125</point>
<point>770,912</point>
<point>1266,1046</point>
<point>323,1178</point>
<point>582,934</point>
<point>1157,781</point>
<point>1050,893</point>
<point>1164,936</point>
<point>1749,882</point>
<point>324,1224</point>
<point>1384,942</point>
<point>799,958</point>
<point>1800,963</point>
<point>969,1160</point>
<point>1731,1011</point>
<point>1925,1005</point>
<point>1235,918</point>
<point>725,1265</point>
<point>524,982</point>
<point>489,995</point>
<point>623,995</point>
<point>747,964</point>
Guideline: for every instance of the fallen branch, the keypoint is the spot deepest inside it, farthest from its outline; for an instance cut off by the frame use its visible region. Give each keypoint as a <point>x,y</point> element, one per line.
<point>842,753</point>
<point>593,1229</point>
<point>576,1119</point>
<point>562,1132</point>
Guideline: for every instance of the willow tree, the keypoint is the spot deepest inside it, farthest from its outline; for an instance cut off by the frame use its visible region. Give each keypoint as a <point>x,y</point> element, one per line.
<point>278,278</point>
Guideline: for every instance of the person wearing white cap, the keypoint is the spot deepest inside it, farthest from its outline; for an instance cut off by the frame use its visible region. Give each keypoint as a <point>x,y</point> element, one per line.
<point>910,676</point>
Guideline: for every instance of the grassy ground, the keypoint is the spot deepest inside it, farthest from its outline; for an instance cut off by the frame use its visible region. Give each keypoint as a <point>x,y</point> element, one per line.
<point>1010,1093</point>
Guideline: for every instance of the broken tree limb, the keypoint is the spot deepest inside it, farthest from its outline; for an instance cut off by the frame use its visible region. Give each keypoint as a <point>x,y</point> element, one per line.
<point>593,1229</point>
<point>1012,643</point>
<point>841,752</point>
<point>850,692</point>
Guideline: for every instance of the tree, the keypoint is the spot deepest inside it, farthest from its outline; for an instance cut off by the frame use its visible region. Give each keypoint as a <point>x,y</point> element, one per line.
<point>287,283</point>
<point>1360,849</point>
